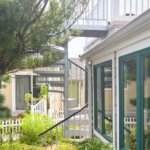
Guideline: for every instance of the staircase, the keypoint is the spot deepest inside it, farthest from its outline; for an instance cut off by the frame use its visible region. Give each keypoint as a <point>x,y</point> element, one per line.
<point>78,129</point>
<point>62,79</point>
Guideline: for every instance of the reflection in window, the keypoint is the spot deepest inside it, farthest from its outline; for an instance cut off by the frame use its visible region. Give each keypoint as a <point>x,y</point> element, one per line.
<point>108,99</point>
<point>146,100</point>
<point>103,98</point>
<point>129,98</point>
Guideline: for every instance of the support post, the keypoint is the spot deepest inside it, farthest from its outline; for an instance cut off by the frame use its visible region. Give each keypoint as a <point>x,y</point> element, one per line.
<point>89,97</point>
<point>114,10</point>
<point>66,87</point>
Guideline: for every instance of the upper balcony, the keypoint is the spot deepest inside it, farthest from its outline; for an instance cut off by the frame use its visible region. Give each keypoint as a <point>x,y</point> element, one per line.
<point>99,13</point>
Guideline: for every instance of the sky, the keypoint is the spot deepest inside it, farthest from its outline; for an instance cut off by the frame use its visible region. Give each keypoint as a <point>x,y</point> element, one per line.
<point>75,47</point>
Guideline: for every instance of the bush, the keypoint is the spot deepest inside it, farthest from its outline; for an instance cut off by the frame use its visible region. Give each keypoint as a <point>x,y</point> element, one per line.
<point>33,125</point>
<point>93,144</point>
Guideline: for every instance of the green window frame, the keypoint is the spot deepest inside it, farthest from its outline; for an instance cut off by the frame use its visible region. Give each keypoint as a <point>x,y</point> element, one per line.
<point>139,58</point>
<point>104,79</point>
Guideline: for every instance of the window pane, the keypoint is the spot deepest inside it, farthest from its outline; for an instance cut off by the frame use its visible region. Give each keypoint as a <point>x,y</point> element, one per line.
<point>147,102</point>
<point>129,89</point>
<point>99,101</point>
<point>22,87</point>
<point>108,98</point>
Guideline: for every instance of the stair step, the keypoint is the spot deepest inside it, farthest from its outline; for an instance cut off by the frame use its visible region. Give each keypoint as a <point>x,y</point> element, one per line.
<point>72,102</point>
<point>55,91</point>
<point>50,73</point>
<point>60,63</point>
<point>77,132</point>
<point>71,111</point>
<point>54,83</point>
<point>79,122</point>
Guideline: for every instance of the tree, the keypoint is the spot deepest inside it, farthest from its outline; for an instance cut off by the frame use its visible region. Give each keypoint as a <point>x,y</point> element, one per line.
<point>4,111</point>
<point>27,26</point>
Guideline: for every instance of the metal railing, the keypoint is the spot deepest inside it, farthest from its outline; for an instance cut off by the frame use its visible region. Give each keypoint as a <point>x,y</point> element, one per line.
<point>133,7</point>
<point>76,82</point>
<point>96,13</point>
<point>77,127</point>
<point>100,12</point>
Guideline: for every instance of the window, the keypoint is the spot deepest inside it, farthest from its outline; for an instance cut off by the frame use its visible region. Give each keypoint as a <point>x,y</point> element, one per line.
<point>103,99</point>
<point>25,84</point>
<point>134,101</point>
<point>22,87</point>
<point>129,103</point>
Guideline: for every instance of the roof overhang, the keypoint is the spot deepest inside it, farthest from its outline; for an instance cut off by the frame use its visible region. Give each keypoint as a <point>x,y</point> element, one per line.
<point>140,22</point>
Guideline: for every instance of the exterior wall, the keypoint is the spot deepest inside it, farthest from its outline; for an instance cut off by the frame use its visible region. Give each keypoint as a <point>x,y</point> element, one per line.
<point>138,40</point>
<point>7,91</point>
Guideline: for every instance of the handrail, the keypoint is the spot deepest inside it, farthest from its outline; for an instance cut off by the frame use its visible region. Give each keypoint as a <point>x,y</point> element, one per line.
<point>76,65</point>
<point>110,120</point>
<point>62,121</point>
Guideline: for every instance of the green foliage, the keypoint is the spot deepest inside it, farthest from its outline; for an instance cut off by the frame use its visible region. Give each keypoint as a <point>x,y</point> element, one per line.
<point>94,144</point>
<point>18,146</point>
<point>130,139</point>
<point>4,111</point>
<point>44,91</point>
<point>33,125</point>
<point>33,61</point>
<point>28,26</point>
<point>146,102</point>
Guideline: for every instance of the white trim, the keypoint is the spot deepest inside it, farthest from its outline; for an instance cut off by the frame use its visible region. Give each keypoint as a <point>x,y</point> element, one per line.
<point>24,73</point>
<point>101,137</point>
<point>104,59</point>
<point>98,61</point>
<point>139,45</point>
<point>137,25</point>
<point>113,100</point>
<point>117,97</point>
<point>14,111</point>
<point>90,104</point>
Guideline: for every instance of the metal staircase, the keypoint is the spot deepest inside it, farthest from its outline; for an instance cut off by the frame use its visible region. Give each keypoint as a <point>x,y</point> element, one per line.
<point>93,22</point>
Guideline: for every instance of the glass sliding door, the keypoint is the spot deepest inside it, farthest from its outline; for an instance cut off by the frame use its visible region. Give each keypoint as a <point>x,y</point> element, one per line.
<point>134,100</point>
<point>129,103</point>
<point>107,90</point>
<point>98,99</point>
<point>103,99</point>
<point>146,102</point>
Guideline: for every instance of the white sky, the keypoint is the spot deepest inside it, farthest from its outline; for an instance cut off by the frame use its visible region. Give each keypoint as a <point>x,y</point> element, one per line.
<point>75,47</point>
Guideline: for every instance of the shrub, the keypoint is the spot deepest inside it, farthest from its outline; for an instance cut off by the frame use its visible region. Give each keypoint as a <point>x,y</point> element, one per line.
<point>93,144</point>
<point>33,125</point>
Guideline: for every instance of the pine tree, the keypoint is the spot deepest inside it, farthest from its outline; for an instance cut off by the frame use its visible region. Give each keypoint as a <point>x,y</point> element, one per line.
<point>28,28</point>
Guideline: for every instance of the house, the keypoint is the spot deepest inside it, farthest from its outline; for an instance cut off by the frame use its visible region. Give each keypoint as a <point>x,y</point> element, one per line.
<point>26,81</point>
<point>118,67</point>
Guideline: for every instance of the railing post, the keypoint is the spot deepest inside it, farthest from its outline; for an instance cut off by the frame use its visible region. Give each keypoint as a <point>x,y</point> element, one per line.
<point>32,109</point>
<point>114,10</point>
<point>66,86</point>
